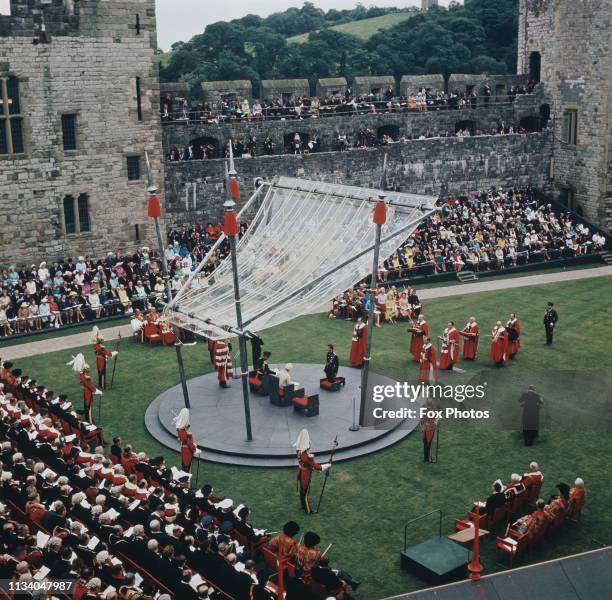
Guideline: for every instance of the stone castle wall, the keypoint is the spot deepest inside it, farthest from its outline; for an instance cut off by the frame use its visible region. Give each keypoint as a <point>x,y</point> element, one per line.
<point>327,129</point>
<point>195,190</point>
<point>88,66</point>
<point>574,41</point>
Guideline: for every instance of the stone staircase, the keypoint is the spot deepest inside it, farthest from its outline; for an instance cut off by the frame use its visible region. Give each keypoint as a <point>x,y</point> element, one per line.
<point>606,256</point>
<point>466,276</point>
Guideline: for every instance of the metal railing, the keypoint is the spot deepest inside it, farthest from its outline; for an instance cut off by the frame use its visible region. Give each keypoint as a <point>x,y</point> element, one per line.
<point>433,512</point>
<point>217,116</point>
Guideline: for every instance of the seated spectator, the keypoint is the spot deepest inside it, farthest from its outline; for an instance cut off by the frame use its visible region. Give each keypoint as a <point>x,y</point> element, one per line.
<point>533,476</point>
<point>515,488</point>
<point>558,503</point>
<point>577,497</point>
<point>285,543</point>
<point>496,500</point>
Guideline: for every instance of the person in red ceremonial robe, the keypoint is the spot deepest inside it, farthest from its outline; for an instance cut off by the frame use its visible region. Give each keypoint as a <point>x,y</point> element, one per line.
<point>211,350</point>
<point>223,362</point>
<point>358,345</point>
<point>89,390</point>
<point>419,332</point>
<point>79,366</point>
<point>513,329</point>
<point>102,355</point>
<point>577,497</point>
<point>471,335</point>
<point>499,345</point>
<point>306,465</point>
<point>167,332</point>
<point>428,425</point>
<point>153,316</point>
<point>429,363</point>
<point>449,354</point>
<point>185,437</point>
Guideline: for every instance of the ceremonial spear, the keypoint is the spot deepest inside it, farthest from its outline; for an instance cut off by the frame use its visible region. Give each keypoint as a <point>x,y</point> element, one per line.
<point>331,460</point>
<point>115,359</point>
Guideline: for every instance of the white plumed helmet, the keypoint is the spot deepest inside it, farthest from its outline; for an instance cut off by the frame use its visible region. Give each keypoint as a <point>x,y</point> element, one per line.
<point>181,421</point>
<point>303,441</point>
<point>77,363</point>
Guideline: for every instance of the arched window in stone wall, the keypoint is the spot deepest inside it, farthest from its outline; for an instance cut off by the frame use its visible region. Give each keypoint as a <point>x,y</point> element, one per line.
<point>206,147</point>
<point>530,123</point>
<point>392,131</point>
<point>535,64</point>
<point>295,142</point>
<point>466,124</point>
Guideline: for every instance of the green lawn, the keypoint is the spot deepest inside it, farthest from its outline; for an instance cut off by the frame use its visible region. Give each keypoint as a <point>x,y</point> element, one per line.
<point>363,29</point>
<point>368,500</point>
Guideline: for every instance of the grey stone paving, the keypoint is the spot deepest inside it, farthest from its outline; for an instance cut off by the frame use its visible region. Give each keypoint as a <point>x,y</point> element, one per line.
<point>218,421</point>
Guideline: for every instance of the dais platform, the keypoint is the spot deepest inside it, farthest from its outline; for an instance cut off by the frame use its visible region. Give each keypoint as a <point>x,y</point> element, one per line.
<point>217,421</point>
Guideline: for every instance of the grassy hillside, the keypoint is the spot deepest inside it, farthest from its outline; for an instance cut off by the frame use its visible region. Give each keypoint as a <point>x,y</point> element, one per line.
<point>364,29</point>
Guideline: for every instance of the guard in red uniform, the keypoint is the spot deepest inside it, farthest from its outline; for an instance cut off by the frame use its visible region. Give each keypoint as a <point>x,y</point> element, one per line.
<point>89,390</point>
<point>102,355</point>
<point>513,328</point>
<point>358,345</point>
<point>419,332</point>
<point>185,437</point>
<point>429,363</point>
<point>450,347</point>
<point>499,345</point>
<point>428,425</point>
<point>306,465</point>
<point>223,362</point>
<point>471,336</point>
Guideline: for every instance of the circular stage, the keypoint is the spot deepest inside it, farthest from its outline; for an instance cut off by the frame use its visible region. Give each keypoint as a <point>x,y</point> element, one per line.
<point>218,422</point>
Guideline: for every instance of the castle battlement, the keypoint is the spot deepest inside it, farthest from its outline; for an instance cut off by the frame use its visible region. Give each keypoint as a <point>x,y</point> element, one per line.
<point>45,19</point>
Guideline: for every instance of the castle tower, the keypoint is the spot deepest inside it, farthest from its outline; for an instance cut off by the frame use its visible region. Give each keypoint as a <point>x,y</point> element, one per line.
<point>567,46</point>
<point>79,106</point>
<point>427,4</point>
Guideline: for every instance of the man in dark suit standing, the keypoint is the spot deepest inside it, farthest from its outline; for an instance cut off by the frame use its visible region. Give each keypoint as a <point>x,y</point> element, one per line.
<point>532,403</point>
<point>550,319</point>
<point>331,364</point>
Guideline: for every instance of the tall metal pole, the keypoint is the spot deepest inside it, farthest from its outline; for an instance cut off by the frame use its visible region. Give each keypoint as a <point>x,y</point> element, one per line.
<point>379,220</point>
<point>154,211</point>
<point>230,227</point>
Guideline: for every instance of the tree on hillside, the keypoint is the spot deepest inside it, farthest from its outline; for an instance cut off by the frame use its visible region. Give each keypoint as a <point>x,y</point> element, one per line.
<point>478,36</point>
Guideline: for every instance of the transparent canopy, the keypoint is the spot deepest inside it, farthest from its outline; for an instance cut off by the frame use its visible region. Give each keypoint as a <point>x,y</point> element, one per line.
<point>306,243</point>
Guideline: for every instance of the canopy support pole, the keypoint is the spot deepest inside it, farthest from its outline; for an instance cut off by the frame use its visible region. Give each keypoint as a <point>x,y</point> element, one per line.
<point>366,359</point>
<point>230,227</point>
<point>379,218</point>
<point>154,211</point>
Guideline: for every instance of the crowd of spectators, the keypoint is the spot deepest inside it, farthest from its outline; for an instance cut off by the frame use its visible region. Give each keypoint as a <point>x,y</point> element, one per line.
<point>119,523</point>
<point>342,103</point>
<point>526,516</point>
<point>366,137</point>
<point>70,291</point>
<point>489,230</point>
